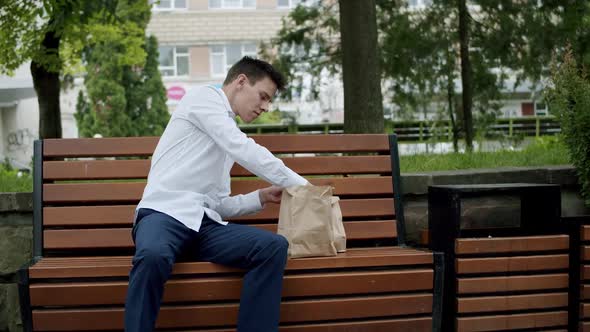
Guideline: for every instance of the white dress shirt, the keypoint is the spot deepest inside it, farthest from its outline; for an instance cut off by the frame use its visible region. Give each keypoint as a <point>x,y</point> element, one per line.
<point>190,168</point>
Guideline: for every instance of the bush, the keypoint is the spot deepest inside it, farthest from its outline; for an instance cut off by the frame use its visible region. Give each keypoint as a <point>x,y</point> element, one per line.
<point>569,99</point>
<point>12,180</point>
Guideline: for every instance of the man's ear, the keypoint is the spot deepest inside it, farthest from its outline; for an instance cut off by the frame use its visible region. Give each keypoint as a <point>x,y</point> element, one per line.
<point>242,80</point>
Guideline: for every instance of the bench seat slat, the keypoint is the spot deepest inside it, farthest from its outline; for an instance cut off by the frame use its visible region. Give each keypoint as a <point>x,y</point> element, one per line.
<point>512,264</point>
<point>512,322</point>
<point>297,311</point>
<point>388,325</point>
<point>138,169</point>
<point>513,283</point>
<point>73,267</point>
<point>104,238</point>
<point>88,216</point>
<point>228,288</point>
<point>511,244</point>
<point>145,146</point>
<point>511,303</point>
<point>64,193</point>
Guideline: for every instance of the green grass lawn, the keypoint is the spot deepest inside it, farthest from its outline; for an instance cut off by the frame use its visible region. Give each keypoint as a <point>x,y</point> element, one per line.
<point>541,152</point>
<point>14,181</point>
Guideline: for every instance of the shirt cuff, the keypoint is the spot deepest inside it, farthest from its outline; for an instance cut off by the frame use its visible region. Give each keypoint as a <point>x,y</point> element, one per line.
<point>253,200</point>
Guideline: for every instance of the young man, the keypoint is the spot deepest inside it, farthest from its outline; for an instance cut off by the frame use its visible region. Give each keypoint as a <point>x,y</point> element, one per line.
<point>188,195</point>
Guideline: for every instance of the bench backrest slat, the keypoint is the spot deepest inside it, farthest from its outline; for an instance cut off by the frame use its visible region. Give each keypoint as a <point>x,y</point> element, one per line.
<point>138,169</point>
<point>70,193</point>
<point>117,215</point>
<point>145,146</point>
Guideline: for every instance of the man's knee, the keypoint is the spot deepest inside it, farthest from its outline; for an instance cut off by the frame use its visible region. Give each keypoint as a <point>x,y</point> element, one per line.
<point>278,246</point>
<point>281,243</point>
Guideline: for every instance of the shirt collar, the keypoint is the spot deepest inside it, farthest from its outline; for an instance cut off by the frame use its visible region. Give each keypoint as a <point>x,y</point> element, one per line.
<point>226,103</point>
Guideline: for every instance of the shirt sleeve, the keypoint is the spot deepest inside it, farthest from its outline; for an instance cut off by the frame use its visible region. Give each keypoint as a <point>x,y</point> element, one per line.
<point>239,205</point>
<point>209,114</point>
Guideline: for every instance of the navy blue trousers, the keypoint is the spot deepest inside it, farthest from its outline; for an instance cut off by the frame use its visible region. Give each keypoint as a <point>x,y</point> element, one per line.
<point>161,239</point>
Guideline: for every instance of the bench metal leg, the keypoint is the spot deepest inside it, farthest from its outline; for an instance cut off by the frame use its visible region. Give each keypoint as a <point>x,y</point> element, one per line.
<point>437,301</point>
<point>25,299</point>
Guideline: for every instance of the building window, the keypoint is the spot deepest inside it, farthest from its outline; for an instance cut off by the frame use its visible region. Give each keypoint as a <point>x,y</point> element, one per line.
<point>541,109</point>
<point>232,4</point>
<point>224,56</point>
<point>288,3</point>
<point>168,4</point>
<point>174,61</point>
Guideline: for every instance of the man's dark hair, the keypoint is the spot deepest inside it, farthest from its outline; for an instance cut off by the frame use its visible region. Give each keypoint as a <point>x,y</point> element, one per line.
<point>255,70</point>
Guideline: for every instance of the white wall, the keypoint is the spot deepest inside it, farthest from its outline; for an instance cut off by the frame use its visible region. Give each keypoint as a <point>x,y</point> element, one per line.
<point>19,131</point>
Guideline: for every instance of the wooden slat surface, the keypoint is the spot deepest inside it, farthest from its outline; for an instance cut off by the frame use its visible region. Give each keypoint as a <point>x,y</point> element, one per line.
<point>121,237</point>
<point>87,216</point>
<point>585,272</point>
<point>73,267</point>
<point>585,233</point>
<point>143,146</point>
<point>585,253</point>
<point>584,292</point>
<point>511,264</point>
<point>512,322</point>
<point>584,326</point>
<point>226,314</point>
<point>510,284</point>
<point>228,288</point>
<point>385,325</point>
<point>584,310</point>
<point>131,192</point>
<point>138,169</point>
<point>511,244</point>
<point>511,303</point>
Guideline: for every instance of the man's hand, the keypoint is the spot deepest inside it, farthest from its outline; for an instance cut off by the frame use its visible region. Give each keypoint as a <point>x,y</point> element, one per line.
<point>270,194</point>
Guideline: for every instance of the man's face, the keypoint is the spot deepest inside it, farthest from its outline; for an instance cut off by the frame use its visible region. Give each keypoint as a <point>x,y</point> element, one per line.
<point>253,100</point>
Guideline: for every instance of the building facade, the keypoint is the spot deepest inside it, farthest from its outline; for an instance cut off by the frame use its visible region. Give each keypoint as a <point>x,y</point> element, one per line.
<point>199,40</point>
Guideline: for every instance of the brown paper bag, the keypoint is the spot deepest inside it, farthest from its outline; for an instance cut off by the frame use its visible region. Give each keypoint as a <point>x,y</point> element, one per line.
<point>337,225</point>
<point>305,220</point>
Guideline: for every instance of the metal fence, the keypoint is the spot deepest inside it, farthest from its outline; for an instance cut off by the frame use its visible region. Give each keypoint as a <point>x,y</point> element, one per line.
<point>422,130</point>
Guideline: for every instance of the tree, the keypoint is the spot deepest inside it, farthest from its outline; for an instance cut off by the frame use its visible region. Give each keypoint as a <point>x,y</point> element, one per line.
<point>51,34</point>
<point>123,100</point>
<point>419,58</point>
<point>146,95</point>
<point>466,76</point>
<point>310,52</point>
<point>425,52</point>
<point>569,98</point>
<point>361,76</point>
<point>523,35</point>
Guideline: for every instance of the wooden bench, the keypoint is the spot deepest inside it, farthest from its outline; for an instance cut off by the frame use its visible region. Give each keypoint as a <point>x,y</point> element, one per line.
<point>579,230</point>
<point>506,267</point>
<point>84,200</point>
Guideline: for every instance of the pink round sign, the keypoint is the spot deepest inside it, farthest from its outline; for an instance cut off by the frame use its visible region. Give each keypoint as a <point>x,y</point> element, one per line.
<point>175,92</point>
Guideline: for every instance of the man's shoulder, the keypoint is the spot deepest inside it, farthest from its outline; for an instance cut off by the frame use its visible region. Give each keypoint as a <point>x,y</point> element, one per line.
<point>203,100</point>
<point>205,91</point>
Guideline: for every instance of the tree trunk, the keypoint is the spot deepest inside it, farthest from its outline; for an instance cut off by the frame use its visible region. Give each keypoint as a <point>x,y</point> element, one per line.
<point>466,78</point>
<point>47,86</point>
<point>363,102</point>
<point>451,101</point>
